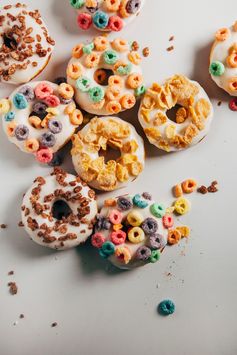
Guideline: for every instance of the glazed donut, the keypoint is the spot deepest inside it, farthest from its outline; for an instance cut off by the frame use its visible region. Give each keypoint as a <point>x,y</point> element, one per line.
<point>106,15</point>
<point>40,118</point>
<point>95,139</point>
<point>58,211</point>
<point>25,44</point>
<point>131,231</point>
<point>192,120</point>
<point>223,59</point>
<point>106,76</point>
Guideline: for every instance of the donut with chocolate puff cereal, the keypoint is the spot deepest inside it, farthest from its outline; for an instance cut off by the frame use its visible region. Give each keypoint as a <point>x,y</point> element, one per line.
<point>40,117</point>
<point>58,210</point>
<point>106,15</point>
<point>106,76</point>
<point>90,153</point>
<point>129,232</point>
<point>223,59</point>
<point>25,44</point>
<point>192,119</point>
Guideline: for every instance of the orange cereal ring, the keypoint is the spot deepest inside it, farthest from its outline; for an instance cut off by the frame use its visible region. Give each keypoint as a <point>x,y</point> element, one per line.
<point>112,5</point>
<point>98,105</point>
<point>174,236</point>
<point>134,57</point>
<point>123,254</point>
<point>120,45</point>
<point>189,186</point>
<point>69,108</point>
<point>31,145</point>
<point>92,60</point>
<point>11,129</point>
<point>222,34</point>
<point>134,80</point>
<point>101,43</point>
<point>123,10</point>
<point>178,192</point>
<point>77,51</point>
<point>100,76</point>
<point>113,107</point>
<point>35,121</point>
<point>76,117</point>
<point>66,91</point>
<point>235,26</point>
<point>74,70</point>
<point>115,80</point>
<point>128,101</point>
<point>232,60</point>
<point>113,93</point>
<point>233,84</point>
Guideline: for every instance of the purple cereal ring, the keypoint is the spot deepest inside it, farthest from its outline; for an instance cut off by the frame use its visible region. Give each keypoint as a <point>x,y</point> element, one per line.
<point>124,204</point>
<point>21,132</point>
<point>149,226</point>
<point>28,92</point>
<point>47,140</point>
<point>143,253</point>
<point>133,6</point>
<point>40,108</point>
<point>156,241</point>
<point>55,126</point>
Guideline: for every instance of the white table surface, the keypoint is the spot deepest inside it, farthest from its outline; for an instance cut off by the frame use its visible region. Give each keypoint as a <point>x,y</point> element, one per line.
<point>103,311</point>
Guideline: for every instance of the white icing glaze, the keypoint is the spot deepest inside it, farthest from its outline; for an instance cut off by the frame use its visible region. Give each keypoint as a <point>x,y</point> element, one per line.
<point>77,160</point>
<point>82,232</point>
<point>179,127</point>
<point>21,117</point>
<point>82,98</point>
<point>24,75</point>
<point>220,53</point>
<point>146,213</point>
<point>102,7</point>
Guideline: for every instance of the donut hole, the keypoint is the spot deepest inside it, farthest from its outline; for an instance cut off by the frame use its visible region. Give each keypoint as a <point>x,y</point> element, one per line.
<point>101,76</point>
<point>173,113</point>
<point>110,153</point>
<point>61,210</point>
<point>9,40</point>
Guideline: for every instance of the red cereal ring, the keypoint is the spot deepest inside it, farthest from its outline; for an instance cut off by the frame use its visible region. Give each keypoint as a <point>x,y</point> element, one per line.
<point>43,90</point>
<point>52,101</point>
<point>44,155</point>
<point>233,104</point>
<point>115,217</point>
<point>84,21</point>
<point>168,221</point>
<point>115,23</point>
<point>118,237</point>
<point>97,240</point>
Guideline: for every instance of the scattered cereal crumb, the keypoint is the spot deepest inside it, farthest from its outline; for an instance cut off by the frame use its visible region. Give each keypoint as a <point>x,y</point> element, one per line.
<point>20,224</point>
<point>54,324</point>
<point>16,322</point>
<point>219,103</point>
<point>11,272</point>
<point>202,190</point>
<point>3,226</point>
<point>171,38</point>
<point>13,289</point>
<point>212,188</point>
<point>169,49</point>
<point>135,46</point>
<point>22,316</point>
<point>146,51</point>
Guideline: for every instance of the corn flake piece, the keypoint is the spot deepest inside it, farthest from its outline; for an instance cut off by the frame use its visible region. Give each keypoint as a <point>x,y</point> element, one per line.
<point>97,164</point>
<point>181,115</point>
<point>115,143</point>
<point>121,173</point>
<point>190,132</point>
<point>135,168</point>
<point>130,147</point>
<point>145,113</point>
<point>107,180</point>
<point>153,133</point>
<point>164,145</point>
<point>160,119</point>
<point>203,108</point>
<point>179,142</point>
<point>149,102</point>
<point>170,131</point>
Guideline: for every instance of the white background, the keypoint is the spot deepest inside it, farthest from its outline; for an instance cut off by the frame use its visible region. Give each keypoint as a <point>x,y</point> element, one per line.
<point>103,311</point>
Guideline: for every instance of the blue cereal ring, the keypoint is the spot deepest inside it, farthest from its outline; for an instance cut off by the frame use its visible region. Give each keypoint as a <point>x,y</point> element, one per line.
<point>108,248</point>
<point>101,19</point>
<point>139,202</point>
<point>20,101</point>
<point>9,116</point>
<point>102,254</point>
<point>166,307</point>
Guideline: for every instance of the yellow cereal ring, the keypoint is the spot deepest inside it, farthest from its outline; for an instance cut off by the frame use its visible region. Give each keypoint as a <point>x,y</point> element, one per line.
<point>232,60</point>
<point>100,76</point>
<point>134,218</point>
<point>31,145</point>
<point>112,5</point>
<point>76,117</point>
<point>136,235</point>
<point>123,254</point>
<point>70,108</point>
<point>66,91</point>
<point>115,80</point>
<point>134,57</point>
<point>4,106</point>
<point>134,80</point>
<point>53,110</point>
<point>128,101</point>
<point>101,43</point>
<point>233,84</point>
<point>92,60</point>
<point>117,227</point>
<point>113,93</point>
<point>74,70</point>
<point>35,121</point>
<point>184,231</point>
<point>11,128</point>
<point>182,206</point>
<point>113,107</point>
<point>120,45</point>
<point>77,51</point>
<point>222,34</point>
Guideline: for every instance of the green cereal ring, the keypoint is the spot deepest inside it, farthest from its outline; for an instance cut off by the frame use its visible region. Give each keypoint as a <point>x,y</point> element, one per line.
<point>124,70</point>
<point>83,84</point>
<point>110,57</point>
<point>96,94</point>
<point>158,210</point>
<point>88,48</point>
<point>77,4</point>
<point>155,256</point>
<point>217,68</point>
<point>140,91</point>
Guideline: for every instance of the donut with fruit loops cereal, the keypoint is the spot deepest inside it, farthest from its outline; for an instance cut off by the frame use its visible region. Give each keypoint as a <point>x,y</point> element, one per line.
<point>223,59</point>
<point>106,15</point>
<point>90,148</point>
<point>193,117</point>
<point>40,117</point>
<point>130,230</point>
<point>106,76</point>
<point>25,44</point>
<point>58,211</point>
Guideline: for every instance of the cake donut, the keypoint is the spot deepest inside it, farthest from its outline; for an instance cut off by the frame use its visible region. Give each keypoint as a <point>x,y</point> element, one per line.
<point>58,211</point>
<point>223,59</point>
<point>106,76</point>
<point>25,44</point>
<point>192,119</point>
<point>40,118</point>
<point>106,15</point>
<point>90,150</point>
<point>131,231</point>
